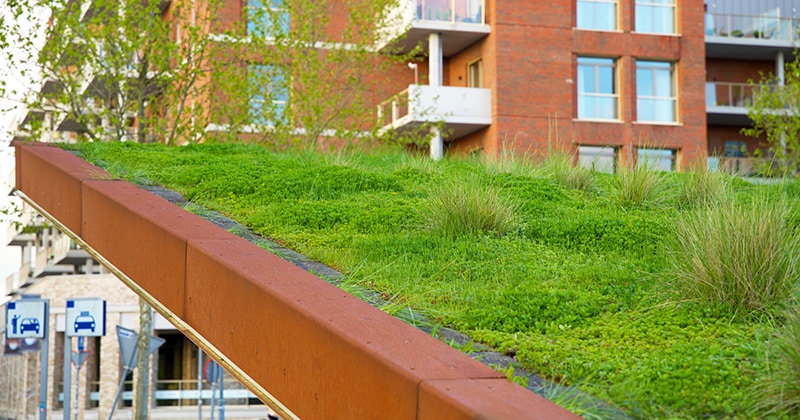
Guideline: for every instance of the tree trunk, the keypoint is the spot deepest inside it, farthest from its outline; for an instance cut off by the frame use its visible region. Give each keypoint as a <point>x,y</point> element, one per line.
<point>142,404</point>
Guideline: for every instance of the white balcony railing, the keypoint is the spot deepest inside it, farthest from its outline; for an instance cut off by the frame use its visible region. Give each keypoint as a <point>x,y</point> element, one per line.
<point>461,109</point>
<point>768,25</point>
<point>729,94</point>
<point>462,11</point>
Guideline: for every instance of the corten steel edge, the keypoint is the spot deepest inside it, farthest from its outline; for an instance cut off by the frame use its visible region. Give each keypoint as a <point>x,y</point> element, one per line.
<point>305,347</point>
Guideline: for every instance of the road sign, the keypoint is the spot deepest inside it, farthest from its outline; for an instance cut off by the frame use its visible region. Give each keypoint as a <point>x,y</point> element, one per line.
<point>26,318</point>
<point>212,371</point>
<point>86,317</point>
<point>79,357</point>
<point>127,346</point>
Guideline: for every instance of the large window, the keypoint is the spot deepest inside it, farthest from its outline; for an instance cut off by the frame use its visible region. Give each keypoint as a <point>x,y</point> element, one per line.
<point>267,18</point>
<point>599,15</point>
<point>657,159</point>
<point>598,158</point>
<point>269,94</point>
<point>656,100</point>
<point>655,16</point>
<point>597,88</point>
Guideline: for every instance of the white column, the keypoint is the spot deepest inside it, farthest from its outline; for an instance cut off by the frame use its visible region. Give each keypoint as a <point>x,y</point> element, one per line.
<point>435,79</point>
<point>779,68</point>
<point>435,59</point>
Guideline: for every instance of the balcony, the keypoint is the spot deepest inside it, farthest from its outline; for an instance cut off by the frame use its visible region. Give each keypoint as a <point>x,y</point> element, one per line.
<point>460,22</point>
<point>727,102</point>
<point>751,37</point>
<point>462,110</point>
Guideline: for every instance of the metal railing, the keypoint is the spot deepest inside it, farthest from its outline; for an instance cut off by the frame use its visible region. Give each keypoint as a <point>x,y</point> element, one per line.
<point>729,94</point>
<point>740,166</point>
<point>393,109</point>
<point>463,11</point>
<point>768,25</point>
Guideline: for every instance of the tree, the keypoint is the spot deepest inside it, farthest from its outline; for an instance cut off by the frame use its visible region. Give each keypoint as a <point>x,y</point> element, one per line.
<point>310,69</point>
<point>115,69</point>
<point>775,113</point>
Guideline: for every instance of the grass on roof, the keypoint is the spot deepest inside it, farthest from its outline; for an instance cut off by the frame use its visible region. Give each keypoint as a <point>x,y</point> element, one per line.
<point>577,279</point>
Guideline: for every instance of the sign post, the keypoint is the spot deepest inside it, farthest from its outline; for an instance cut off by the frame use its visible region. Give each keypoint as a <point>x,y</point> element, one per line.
<point>27,318</point>
<point>128,339</point>
<point>85,317</point>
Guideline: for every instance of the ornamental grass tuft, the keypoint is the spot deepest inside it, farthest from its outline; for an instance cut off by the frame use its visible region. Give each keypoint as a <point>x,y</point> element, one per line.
<point>780,395</point>
<point>467,207</point>
<point>743,255</point>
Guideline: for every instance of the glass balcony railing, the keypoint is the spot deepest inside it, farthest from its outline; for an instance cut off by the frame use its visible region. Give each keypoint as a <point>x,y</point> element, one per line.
<point>727,94</point>
<point>461,11</point>
<point>768,25</point>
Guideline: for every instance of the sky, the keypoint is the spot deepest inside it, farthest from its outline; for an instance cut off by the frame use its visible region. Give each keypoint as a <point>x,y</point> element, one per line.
<point>11,111</point>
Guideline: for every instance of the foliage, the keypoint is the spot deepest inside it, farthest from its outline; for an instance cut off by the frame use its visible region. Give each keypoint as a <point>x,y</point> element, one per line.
<point>775,113</point>
<point>577,289</point>
<point>305,75</point>
<point>745,255</point>
<point>702,188</point>
<point>113,70</point>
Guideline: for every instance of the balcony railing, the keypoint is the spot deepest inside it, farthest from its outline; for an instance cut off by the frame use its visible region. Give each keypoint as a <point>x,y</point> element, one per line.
<point>728,94</point>
<point>462,11</point>
<point>741,166</point>
<point>461,109</point>
<point>768,25</point>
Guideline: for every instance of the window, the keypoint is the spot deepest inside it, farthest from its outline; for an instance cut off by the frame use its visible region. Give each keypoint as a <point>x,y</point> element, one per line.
<point>267,18</point>
<point>655,91</point>
<point>269,94</point>
<point>597,91</point>
<point>475,73</point>
<point>598,158</point>
<point>657,159</point>
<point>600,15</point>
<point>655,16</point>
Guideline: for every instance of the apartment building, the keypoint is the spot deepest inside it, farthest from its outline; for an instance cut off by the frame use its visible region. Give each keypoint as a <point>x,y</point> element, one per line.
<point>614,81</point>
<point>611,81</point>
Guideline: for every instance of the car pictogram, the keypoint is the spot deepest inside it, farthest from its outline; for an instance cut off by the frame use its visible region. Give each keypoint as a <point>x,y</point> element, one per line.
<point>84,322</point>
<point>29,324</point>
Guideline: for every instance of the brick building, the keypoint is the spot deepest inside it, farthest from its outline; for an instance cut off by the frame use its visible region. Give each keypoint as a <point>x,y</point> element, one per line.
<point>608,79</point>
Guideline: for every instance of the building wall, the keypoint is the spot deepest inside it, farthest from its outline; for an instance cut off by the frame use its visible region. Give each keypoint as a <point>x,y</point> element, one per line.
<point>532,65</point>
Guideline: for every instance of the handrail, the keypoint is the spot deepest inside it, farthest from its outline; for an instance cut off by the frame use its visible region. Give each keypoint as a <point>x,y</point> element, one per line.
<point>461,11</point>
<point>397,107</point>
<point>729,94</point>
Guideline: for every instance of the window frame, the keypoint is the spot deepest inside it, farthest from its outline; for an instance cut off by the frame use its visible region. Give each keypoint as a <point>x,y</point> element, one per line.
<point>592,26</point>
<point>655,5</point>
<point>596,65</point>
<point>654,67</point>
<point>657,159</point>
<point>475,67</point>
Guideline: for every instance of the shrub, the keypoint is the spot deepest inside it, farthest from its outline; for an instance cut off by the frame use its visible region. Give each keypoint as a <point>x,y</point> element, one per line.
<point>466,207</point>
<point>781,394</point>
<point>744,255</point>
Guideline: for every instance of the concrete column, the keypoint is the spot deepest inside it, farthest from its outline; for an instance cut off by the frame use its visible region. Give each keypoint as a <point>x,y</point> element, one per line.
<point>779,65</point>
<point>435,59</point>
<point>437,144</point>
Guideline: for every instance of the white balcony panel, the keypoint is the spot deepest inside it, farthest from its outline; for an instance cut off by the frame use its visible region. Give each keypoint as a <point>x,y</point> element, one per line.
<point>461,23</point>
<point>462,110</point>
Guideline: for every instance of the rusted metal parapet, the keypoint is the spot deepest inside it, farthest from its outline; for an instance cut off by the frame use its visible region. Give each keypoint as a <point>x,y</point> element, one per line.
<point>303,346</point>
